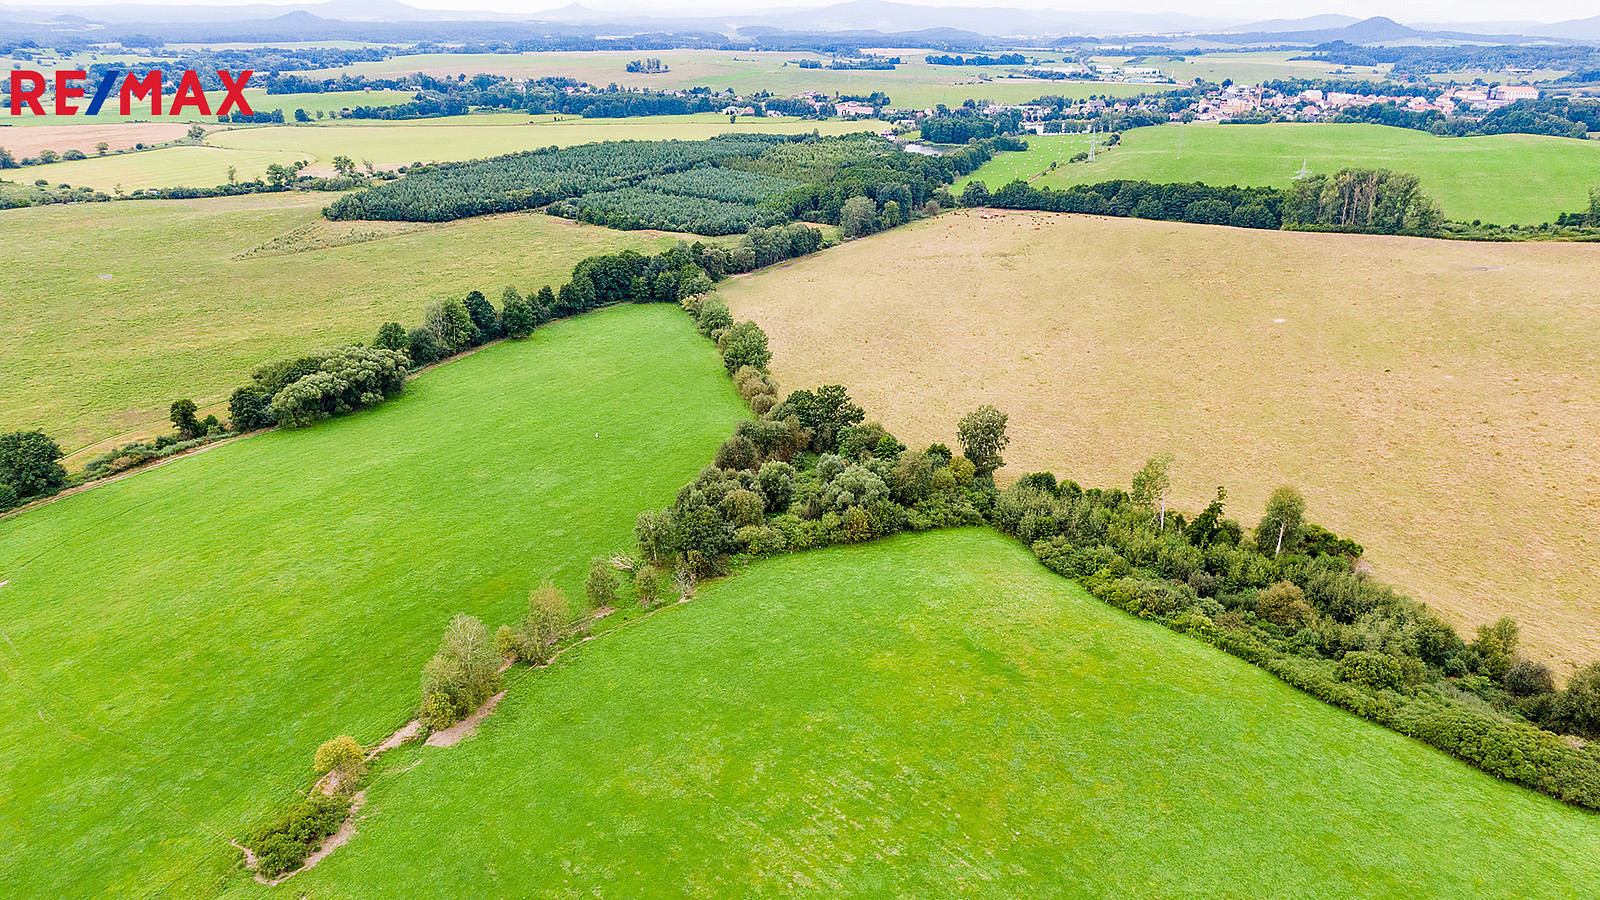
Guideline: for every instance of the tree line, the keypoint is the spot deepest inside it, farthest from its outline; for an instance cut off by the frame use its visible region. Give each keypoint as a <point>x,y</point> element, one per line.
<point>1357,200</point>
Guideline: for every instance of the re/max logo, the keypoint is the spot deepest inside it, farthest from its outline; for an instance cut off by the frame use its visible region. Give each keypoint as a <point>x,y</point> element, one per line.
<point>27,87</point>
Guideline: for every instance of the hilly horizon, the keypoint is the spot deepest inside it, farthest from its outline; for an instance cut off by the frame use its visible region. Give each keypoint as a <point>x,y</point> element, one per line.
<point>858,16</point>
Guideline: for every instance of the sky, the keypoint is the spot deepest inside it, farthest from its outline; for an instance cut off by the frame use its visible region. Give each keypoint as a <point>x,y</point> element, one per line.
<point>1405,11</point>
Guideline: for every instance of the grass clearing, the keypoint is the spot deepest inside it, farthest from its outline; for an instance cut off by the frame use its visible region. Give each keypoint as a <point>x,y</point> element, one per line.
<point>182,313</point>
<point>935,715</point>
<point>1044,151</point>
<point>178,643</point>
<point>1504,178</point>
<point>1434,400</point>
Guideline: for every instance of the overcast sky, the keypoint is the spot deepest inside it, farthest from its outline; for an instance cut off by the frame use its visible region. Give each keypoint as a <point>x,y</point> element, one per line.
<point>1407,11</point>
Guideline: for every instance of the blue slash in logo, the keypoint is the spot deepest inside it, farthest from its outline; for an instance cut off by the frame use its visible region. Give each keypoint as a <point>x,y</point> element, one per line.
<point>103,91</point>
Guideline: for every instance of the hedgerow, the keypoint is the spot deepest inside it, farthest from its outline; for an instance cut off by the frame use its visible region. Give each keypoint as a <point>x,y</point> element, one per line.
<point>1289,599</point>
<point>284,845</point>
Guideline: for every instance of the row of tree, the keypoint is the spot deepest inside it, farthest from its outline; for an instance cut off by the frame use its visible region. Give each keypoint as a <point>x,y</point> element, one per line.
<point>1357,200</point>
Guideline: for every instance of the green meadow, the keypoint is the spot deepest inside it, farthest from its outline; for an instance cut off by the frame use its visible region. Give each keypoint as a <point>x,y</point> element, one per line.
<point>116,309</point>
<point>250,150</point>
<point>177,643</point>
<point>1045,152</point>
<point>934,715</point>
<point>1506,179</point>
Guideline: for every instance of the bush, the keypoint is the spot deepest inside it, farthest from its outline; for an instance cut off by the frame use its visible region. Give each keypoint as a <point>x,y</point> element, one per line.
<point>737,453</point>
<point>1527,678</point>
<point>647,584</point>
<point>546,622</point>
<point>714,315</point>
<point>391,336</point>
<point>341,755</point>
<point>601,585</point>
<point>8,497</point>
<point>745,344</point>
<point>1373,671</point>
<point>283,845</point>
<point>424,346</point>
<point>777,485</point>
<point>859,525</point>
<point>742,507</point>
<point>1285,605</point>
<point>347,379</point>
<point>510,643</point>
<point>1580,702</point>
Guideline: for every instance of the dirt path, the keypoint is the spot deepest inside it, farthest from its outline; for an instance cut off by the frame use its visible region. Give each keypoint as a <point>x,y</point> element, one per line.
<point>453,735</point>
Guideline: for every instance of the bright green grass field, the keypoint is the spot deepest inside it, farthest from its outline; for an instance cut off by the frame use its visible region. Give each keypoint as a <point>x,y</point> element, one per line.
<point>928,716</point>
<point>91,357</point>
<point>251,150</point>
<point>1043,149</point>
<point>178,643</point>
<point>1505,178</point>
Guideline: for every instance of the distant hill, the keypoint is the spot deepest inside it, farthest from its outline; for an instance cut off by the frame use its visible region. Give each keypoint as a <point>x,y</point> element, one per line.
<point>1375,30</point>
<point>392,20</point>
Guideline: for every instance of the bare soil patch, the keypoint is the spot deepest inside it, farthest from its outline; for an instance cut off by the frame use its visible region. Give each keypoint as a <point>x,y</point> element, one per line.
<point>1437,401</point>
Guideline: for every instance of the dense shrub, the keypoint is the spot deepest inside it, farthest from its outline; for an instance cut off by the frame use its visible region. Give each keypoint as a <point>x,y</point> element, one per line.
<point>28,464</point>
<point>347,379</point>
<point>1527,678</point>
<point>284,845</point>
<point>601,585</point>
<point>1374,671</point>
<point>342,757</point>
<point>250,408</point>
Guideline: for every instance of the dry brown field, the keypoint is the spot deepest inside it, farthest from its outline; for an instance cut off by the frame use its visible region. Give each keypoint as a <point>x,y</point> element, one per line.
<point>1437,401</point>
<point>28,141</point>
